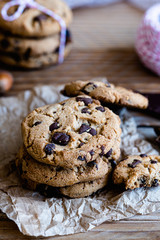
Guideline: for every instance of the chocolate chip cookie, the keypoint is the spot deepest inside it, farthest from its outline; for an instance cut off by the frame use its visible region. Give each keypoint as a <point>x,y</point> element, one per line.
<point>31,62</point>
<point>71,133</point>
<point>81,189</point>
<point>25,48</point>
<point>59,176</point>
<point>78,190</point>
<point>138,171</point>
<point>107,93</point>
<point>33,22</point>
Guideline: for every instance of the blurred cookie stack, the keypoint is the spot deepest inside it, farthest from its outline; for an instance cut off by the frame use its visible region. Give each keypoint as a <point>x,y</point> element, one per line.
<point>70,148</point>
<point>33,39</point>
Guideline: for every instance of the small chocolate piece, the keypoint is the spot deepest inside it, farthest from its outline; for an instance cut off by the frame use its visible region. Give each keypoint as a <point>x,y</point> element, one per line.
<point>93,132</point>
<point>153,161</point>
<point>68,37</point>
<point>92,164</point>
<point>85,110</point>
<point>81,144</point>
<point>40,18</point>
<point>143,181</point>
<point>101,109</point>
<point>82,158</point>
<point>91,152</point>
<point>89,87</point>
<point>108,154</point>
<point>27,54</point>
<point>84,128</point>
<point>16,57</point>
<point>61,138</point>
<point>36,123</point>
<point>102,151</point>
<point>58,169</point>
<point>49,148</point>
<point>134,163</point>
<point>113,163</point>
<point>143,155</point>
<point>155,183</point>
<point>123,159</point>
<point>54,126</point>
<point>86,101</point>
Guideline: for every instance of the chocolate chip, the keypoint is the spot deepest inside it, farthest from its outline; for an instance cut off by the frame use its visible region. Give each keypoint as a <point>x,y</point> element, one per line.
<point>49,148</point>
<point>84,128</point>
<point>92,164</point>
<point>85,100</point>
<point>40,18</point>
<point>81,144</point>
<point>155,183</point>
<point>81,158</point>
<point>27,54</point>
<point>15,56</point>
<point>113,163</point>
<point>58,169</point>
<point>91,152</point>
<point>108,154</point>
<point>143,181</point>
<point>56,50</point>
<point>143,155</point>
<point>85,110</point>
<point>93,132</point>
<point>68,36</point>
<point>61,138</point>
<point>36,123</point>
<point>102,109</point>
<point>153,161</point>
<point>123,159</point>
<point>102,151</point>
<point>134,163</point>
<point>53,126</point>
<point>89,87</point>
<point>4,43</point>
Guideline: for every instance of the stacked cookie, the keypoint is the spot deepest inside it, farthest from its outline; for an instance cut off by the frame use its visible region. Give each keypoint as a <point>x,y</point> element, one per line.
<point>33,39</point>
<point>69,148</point>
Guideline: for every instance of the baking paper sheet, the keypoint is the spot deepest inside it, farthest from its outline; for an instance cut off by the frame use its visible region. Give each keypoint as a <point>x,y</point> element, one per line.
<point>36,215</point>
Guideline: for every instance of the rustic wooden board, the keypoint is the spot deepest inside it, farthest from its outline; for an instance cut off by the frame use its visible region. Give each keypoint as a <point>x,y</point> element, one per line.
<point>103,46</point>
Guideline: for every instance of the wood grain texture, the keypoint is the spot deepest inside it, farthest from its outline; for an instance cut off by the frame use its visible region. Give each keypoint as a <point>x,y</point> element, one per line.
<point>103,46</point>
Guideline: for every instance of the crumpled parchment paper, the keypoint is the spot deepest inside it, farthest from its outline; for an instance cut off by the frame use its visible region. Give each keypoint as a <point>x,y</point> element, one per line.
<point>36,215</point>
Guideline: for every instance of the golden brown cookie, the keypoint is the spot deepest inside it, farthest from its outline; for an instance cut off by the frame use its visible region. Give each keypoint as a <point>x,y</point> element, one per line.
<point>71,133</point>
<point>138,171</point>
<point>107,93</point>
<point>34,23</point>
<point>58,176</point>
<point>30,47</point>
<point>77,190</point>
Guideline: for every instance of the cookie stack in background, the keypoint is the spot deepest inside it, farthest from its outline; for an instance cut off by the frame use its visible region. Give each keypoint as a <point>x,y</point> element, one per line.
<point>70,148</point>
<point>33,39</point>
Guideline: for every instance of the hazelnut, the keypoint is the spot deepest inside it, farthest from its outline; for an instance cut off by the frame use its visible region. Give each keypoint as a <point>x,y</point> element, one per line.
<point>6,81</point>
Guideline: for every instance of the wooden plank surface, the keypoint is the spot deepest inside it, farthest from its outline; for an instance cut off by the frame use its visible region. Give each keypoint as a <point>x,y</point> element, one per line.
<point>103,46</point>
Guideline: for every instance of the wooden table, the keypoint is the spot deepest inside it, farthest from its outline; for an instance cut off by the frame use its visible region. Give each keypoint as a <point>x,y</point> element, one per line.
<point>103,46</point>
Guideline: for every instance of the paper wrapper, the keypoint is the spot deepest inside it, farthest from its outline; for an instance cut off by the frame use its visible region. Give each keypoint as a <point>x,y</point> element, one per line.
<point>36,215</point>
